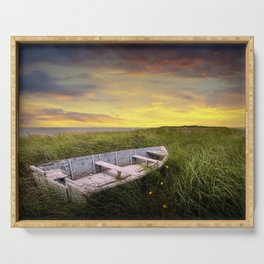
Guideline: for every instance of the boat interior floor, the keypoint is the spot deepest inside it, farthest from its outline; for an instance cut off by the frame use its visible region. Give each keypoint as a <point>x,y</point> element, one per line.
<point>109,176</point>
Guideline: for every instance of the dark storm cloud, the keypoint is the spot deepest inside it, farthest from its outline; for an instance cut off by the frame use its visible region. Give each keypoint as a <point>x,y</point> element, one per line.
<point>38,82</point>
<point>97,67</point>
<point>201,60</point>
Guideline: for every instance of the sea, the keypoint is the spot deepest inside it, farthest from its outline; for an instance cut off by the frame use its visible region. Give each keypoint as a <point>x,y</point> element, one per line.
<point>25,132</point>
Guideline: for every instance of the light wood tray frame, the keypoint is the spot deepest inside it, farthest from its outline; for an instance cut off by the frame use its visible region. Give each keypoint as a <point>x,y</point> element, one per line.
<point>247,40</point>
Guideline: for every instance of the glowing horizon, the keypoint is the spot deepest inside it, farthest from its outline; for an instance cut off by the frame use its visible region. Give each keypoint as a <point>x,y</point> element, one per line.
<point>129,85</point>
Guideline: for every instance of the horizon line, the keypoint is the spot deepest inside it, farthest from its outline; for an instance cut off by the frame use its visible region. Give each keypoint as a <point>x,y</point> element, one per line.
<point>136,127</point>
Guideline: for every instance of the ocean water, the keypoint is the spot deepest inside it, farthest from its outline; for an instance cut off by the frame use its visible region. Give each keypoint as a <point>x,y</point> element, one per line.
<point>24,132</point>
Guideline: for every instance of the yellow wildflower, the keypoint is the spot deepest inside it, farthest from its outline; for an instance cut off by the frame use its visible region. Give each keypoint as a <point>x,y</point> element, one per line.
<point>165,206</point>
<point>161,183</point>
<point>166,166</point>
<point>150,193</point>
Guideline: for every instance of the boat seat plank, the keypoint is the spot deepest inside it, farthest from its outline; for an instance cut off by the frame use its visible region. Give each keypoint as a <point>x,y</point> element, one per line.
<point>111,166</point>
<point>157,153</point>
<point>55,174</point>
<point>145,158</point>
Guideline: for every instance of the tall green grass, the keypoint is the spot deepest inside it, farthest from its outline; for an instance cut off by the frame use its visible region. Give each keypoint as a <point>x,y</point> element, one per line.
<point>204,177</point>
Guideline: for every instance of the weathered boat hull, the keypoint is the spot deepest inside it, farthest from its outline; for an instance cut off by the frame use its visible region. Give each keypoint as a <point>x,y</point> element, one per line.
<point>77,178</point>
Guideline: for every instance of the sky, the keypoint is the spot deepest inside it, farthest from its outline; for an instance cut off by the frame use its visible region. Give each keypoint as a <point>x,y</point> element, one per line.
<point>131,85</point>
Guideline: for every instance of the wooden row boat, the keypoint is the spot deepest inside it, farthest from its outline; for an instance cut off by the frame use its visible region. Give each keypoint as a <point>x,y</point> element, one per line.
<point>77,178</point>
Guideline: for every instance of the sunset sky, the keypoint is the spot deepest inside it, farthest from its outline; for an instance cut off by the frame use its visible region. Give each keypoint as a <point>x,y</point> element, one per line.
<point>127,85</point>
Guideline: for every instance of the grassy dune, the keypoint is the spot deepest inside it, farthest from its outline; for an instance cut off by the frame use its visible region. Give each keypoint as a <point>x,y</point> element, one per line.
<point>204,177</point>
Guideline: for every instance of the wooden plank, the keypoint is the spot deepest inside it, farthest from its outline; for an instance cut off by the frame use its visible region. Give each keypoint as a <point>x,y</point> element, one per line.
<point>81,166</point>
<point>38,170</point>
<point>130,39</point>
<point>157,153</point>
<point>130,157</point>
<point>123,158</point>
<point>71,171</point>
<point>145,159</point>
<point>93,164</point>
<point>116,158</point>
<point>55,174</point>
<point>111,166</point>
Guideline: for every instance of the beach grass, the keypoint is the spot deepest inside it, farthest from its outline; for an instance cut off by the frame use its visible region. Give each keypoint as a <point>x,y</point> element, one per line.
<point>204,177</point>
